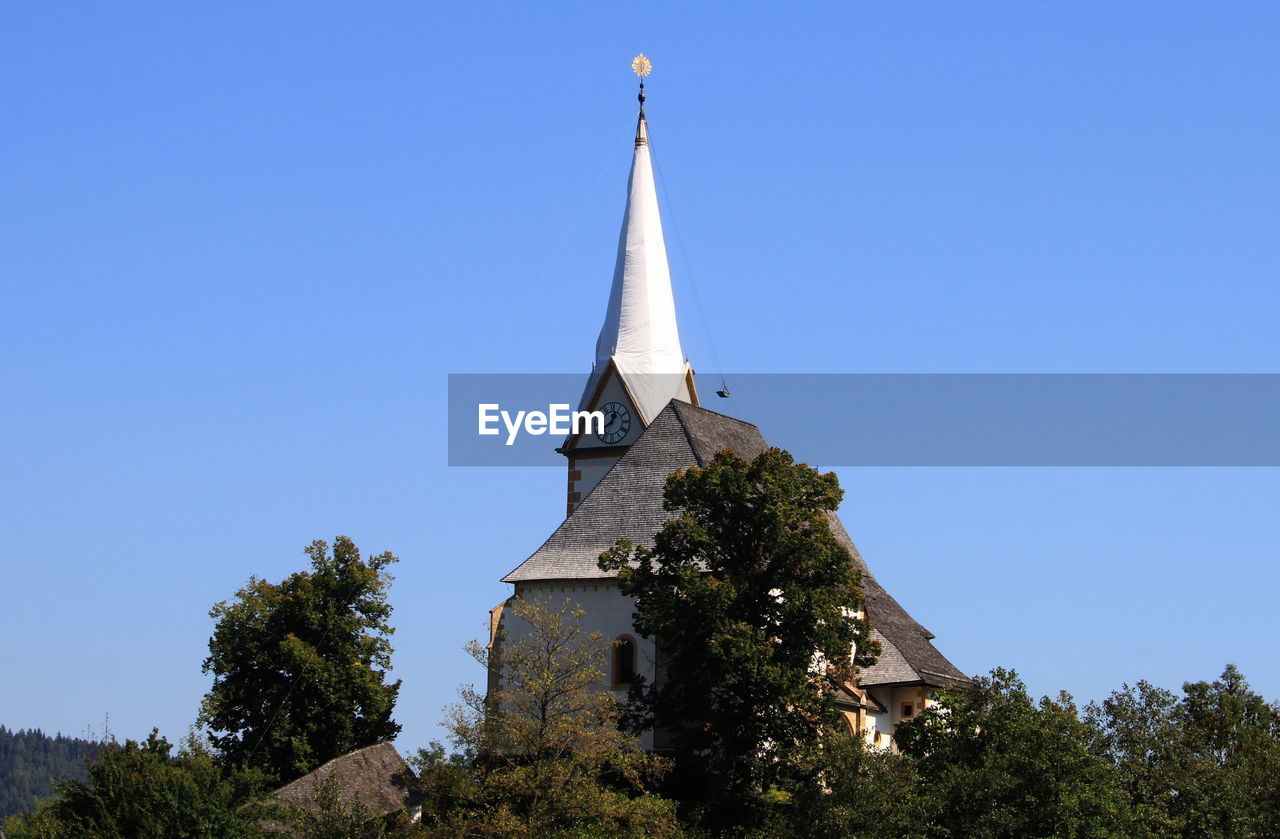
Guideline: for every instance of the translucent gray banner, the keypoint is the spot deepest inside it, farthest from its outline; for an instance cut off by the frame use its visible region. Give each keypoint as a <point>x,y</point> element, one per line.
<point>919,420</point>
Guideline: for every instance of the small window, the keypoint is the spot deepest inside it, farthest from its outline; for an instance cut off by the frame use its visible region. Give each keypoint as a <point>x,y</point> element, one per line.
<point>624,662</point>
<point>908,710</point>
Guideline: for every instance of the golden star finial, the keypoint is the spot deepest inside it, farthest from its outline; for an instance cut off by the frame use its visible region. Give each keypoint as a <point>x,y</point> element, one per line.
<point>641,65</point>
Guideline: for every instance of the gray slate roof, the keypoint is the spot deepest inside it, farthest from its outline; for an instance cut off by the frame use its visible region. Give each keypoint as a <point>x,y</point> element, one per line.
<point>890,668</point>
<point>627,503</point>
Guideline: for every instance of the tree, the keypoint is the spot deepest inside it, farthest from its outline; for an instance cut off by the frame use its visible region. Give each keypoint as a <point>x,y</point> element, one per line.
<point>997,765</point>
<point>1137,730</point>
<point>752,601</point>
<point>300,666</point>
<point>1203,765</point>
<point>1238,732</point>
<point>863,792</point>
<point>542,755</point>
<point>140,791</point>
<point>31,761</point>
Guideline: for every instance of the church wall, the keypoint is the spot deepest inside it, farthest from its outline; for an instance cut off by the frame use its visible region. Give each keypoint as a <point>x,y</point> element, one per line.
<point>590,470</point>
<point>585,472</point>
<point>607,612</point>
<point>914,695</point>
<point>883,723</point>
<point>879,730</point>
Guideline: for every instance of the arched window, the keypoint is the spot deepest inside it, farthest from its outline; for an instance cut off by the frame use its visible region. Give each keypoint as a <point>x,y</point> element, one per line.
<point>624,661</point>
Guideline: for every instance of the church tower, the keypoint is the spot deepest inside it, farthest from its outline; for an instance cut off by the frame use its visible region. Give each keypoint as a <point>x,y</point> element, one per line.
<point>639,365</point>
<point>644,387</point>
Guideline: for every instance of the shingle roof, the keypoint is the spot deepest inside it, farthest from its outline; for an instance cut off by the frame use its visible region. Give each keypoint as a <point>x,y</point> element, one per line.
<point>376,776</point>
<point>627,503</point>
<point>909,640</point>
<point>891,666</point>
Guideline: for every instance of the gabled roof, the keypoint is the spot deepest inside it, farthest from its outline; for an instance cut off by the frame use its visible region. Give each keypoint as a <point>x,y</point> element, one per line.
<point>627,503</point>
<point>376,776</point>
<point>852,698</point>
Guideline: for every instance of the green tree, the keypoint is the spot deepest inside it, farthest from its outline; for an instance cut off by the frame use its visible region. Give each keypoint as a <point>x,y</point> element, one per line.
<point>300,666</point>
<point>998,765</point>
<point>31,762</point>
<point>860,792</point>
<point>1206,765</point>
<point>1137,729</point>
<point>753,602</point>
<point>542,755</point>
<point>1238,732</point>
<point>140,791</point>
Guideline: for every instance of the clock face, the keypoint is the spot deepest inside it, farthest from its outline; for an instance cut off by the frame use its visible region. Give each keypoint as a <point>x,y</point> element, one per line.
<point>617,422</point>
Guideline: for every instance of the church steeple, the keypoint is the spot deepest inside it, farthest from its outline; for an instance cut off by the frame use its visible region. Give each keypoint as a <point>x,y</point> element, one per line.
<point>639,335</point>
<point>639,365</point>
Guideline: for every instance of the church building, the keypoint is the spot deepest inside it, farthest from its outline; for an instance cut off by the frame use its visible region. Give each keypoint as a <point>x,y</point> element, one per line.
<point>654,426</point>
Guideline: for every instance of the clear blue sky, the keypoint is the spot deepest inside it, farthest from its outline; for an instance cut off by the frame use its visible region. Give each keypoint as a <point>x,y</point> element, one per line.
<point>241,246</point>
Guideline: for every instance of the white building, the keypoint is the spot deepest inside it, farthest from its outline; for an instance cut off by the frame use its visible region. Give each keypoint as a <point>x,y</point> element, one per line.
<point>654,426</point>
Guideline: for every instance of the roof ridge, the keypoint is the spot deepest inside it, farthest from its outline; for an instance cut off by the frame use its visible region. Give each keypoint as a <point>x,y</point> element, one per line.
<point>583,507</point>
<point>684,428</point>
<point>682,404</point>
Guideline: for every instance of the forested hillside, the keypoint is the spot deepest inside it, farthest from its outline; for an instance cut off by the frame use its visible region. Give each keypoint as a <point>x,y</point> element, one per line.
<point>31,760</point>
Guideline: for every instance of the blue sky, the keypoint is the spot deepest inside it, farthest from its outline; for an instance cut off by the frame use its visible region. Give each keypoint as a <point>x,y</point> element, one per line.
<point>242,246</point>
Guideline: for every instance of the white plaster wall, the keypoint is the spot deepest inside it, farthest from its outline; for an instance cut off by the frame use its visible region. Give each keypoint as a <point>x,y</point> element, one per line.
<point>882,724</point>
<point>610,613</point>
<point>607,612</point>
<point>886,722</point>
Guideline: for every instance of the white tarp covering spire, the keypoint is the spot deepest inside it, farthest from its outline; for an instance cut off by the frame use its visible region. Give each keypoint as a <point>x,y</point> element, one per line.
<point>639,334</point>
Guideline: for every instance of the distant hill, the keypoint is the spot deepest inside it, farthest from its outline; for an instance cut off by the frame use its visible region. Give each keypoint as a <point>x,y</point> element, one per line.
<point>31,760</point>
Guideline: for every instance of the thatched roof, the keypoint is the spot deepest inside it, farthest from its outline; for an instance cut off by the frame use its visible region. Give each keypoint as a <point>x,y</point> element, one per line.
<point>376,776</point>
